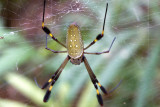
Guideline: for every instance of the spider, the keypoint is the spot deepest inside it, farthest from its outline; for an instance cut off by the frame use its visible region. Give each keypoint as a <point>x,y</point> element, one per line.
<point>76,51</point>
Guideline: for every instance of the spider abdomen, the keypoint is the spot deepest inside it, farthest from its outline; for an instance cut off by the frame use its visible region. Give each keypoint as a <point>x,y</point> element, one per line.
<point>74,41</point>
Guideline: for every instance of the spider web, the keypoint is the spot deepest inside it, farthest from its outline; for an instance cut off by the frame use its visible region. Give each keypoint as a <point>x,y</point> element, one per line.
<point>23,54</point>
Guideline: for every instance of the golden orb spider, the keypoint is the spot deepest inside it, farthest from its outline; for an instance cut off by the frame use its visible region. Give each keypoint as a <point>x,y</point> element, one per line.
<point>75,50</point>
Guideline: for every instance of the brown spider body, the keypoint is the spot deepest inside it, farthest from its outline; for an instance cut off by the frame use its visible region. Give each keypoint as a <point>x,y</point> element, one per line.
<point>74,44</point>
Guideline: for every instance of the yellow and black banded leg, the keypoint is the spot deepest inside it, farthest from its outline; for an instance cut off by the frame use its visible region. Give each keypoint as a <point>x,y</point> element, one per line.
<point>94,81</point>
<point>47,31</point>
<point>99,97</point>
<point>47,95</point>
<point>99,36</point>
<point>93,75</point>
<point>56,73</point>
<point>53,50</point>
<point>101,87</point>
<point>98,53</point>
<point>53,79</point>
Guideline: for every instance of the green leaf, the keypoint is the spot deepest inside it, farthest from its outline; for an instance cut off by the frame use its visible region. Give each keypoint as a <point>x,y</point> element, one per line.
<point>26,87</point>
<point>146,87</point>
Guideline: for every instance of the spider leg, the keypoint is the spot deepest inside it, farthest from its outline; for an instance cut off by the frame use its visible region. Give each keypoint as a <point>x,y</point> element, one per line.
<point>53,50</point>
<point>53,79</point>
<point>99,36</point>
<point>46,30</point>
<point>94,81</point>
<point>98,53</point>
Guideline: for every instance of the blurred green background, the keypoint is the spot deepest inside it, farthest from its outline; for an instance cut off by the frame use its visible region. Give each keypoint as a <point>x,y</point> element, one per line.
<point>134,57</point>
